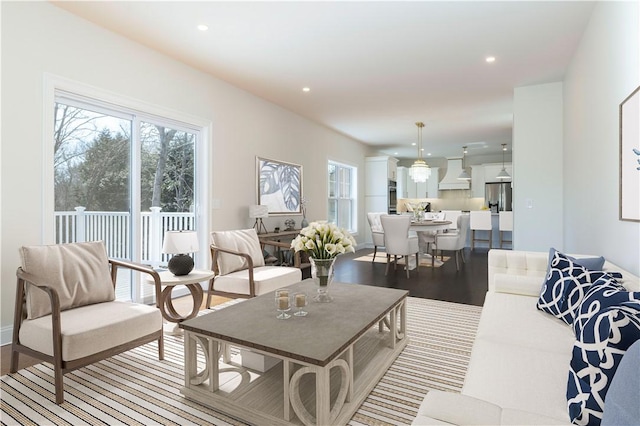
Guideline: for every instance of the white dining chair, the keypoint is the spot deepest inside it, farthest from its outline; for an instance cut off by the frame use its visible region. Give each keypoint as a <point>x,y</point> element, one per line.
<point>505,224</point>
<point>453,241</point>
<point>398,242</point>
<point>452,216</point>
<point>377,233</point>
<point>480,220</point>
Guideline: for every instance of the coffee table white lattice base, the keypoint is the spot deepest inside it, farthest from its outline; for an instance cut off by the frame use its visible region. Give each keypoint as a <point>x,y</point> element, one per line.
<point>295,391</point>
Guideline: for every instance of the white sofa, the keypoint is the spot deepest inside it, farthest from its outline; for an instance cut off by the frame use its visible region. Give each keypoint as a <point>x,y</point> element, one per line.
<point>519,363</point>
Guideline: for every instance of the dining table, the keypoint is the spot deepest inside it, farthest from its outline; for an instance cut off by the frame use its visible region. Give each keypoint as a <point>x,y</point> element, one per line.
<point>431,227</point>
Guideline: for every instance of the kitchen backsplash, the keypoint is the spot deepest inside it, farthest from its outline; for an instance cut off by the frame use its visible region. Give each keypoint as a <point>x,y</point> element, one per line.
<point>450,200</point>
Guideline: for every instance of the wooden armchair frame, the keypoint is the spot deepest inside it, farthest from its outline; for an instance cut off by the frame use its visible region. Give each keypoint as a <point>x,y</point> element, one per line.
<point>61,366</point>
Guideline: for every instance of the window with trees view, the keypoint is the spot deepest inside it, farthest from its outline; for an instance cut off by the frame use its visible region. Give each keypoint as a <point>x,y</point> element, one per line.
<point>342,195</point>
<point>122,178</point>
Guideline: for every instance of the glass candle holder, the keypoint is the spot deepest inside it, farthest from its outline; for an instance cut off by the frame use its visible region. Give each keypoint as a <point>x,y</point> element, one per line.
<point>299,302</point>
<point>283,304</point>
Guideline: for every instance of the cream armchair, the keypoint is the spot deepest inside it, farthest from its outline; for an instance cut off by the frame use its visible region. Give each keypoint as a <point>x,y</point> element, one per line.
<point>66,312</point>
<point>240,271</point>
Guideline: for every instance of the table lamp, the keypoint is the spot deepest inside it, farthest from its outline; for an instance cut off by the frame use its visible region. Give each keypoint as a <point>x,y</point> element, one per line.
<point>257,212</point>
<point>179,243</point>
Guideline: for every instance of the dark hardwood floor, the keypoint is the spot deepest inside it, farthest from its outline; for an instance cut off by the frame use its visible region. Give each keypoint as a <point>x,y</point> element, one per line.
<point>467,286</point>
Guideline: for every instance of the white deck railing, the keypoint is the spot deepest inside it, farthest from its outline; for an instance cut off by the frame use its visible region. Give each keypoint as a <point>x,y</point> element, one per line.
<point>114,229</point>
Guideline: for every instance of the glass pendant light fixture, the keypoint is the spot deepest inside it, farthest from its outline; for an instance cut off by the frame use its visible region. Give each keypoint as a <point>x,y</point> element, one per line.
<point>464,175</point>
<point>420,170</point>
<point>503,173</point>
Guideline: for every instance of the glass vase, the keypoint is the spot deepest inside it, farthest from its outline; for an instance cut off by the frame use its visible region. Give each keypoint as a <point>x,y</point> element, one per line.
<point>322,275</point>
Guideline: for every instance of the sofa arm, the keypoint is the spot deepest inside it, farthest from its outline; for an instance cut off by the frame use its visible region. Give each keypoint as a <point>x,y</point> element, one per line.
<point>453,408</point>
<point>517,284</point>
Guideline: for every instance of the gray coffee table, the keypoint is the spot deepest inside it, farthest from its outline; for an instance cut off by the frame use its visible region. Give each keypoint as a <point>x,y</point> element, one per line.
<point>336,342</point>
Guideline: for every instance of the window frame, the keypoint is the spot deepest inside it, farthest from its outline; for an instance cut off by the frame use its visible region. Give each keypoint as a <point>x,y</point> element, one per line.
<point>59,89</point>
<point>353,197</point>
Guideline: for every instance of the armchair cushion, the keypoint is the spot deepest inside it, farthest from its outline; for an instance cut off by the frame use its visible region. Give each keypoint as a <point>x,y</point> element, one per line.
<point>78,272</point>
<point>243,241</point>
<point>266,279</point>
<point>90,329</point>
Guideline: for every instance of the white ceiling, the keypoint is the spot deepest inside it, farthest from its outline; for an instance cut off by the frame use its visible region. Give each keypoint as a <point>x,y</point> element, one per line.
<point>374,68</point>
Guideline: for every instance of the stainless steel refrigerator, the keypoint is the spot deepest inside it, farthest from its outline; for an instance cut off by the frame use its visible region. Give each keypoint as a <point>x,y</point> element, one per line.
<point>498,196</point>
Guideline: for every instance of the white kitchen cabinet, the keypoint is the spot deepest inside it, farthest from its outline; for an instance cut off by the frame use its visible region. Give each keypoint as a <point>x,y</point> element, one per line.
<point>402,182</point>
<point>428,189</point>
<point>379,171</point>
<point>432,183</point>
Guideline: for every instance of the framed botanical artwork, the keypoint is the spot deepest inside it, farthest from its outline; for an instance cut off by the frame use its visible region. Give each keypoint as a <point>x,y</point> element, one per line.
<point>279,186</point>
<point>630,157</point>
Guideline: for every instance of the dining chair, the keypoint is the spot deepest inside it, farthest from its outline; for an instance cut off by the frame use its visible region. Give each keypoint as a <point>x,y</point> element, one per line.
<point>505,224</point>
<point>377,233</point>
<point>453,241</point>
<point>452,216</point>
<point>480,220</point>
<point>398,242</point>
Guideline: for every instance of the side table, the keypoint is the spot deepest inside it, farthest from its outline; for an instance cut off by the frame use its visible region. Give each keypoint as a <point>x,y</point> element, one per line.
<point>192,282</point>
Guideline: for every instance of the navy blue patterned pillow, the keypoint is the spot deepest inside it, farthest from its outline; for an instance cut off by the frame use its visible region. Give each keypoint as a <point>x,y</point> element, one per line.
<point>565,286</point>
<point>605,292</point>
<point>603,340</point>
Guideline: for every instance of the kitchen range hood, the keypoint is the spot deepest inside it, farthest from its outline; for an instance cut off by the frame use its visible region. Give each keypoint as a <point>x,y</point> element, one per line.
<point>450,180</point>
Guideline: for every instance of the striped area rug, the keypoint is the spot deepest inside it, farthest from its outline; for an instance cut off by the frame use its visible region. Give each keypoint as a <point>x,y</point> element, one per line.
<point>135,388</point>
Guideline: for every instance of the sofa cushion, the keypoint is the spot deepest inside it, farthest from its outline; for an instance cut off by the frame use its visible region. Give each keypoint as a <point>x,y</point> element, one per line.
<point>565,286</point>
<point>78,272</point>
<point>603,340</point>
<point>512,319</point>
<point>518,377</point>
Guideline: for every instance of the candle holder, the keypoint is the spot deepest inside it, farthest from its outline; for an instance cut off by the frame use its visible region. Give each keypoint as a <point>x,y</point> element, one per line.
<point>299,302</point>
<point>283,304</point>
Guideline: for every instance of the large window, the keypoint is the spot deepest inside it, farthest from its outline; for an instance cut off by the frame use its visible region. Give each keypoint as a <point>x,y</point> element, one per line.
<point>342,195</point>
<point>122,177</point>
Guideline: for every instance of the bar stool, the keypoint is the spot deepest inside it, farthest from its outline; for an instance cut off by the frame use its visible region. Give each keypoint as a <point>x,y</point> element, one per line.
<point>480,220</point>
<point>505,224</point>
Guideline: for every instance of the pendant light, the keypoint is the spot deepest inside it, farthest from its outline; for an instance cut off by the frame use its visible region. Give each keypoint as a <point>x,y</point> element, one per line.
<point>503,173</point>
<point>420,170</point>
<point>464,175</point>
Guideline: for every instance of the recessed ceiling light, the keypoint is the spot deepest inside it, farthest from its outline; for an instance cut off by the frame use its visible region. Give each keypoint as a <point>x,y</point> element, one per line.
<point>395,153</point>
<point>306,89</point>
<point>429,154</point>
<point>490,59</point>
<point>413,144</point>
<point>203,27</point>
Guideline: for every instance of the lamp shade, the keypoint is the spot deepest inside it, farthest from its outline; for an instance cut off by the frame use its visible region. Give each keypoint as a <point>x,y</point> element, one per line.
<point>258,211</point>
<point>180,242</point>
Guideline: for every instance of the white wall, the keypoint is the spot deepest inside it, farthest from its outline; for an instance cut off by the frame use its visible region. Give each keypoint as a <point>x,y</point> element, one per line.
<point>39,38</point>
<point>537,167</point>
<point>603,72</point>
